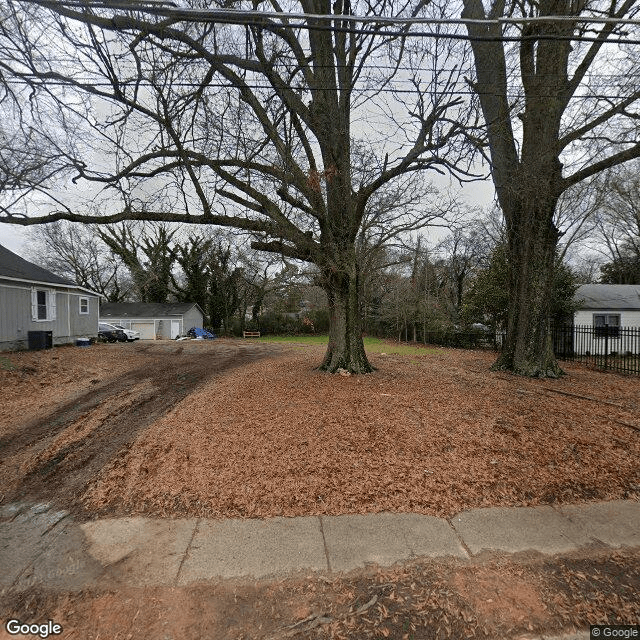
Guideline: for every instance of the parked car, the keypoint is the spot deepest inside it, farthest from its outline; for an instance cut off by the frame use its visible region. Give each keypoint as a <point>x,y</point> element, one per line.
<point>130,333</point>
<point>110,333</point>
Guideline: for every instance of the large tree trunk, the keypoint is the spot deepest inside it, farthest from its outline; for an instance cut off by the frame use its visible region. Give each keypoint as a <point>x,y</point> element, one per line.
<point>346,348</point>
<point>528,349</point>
<point>527,176</point>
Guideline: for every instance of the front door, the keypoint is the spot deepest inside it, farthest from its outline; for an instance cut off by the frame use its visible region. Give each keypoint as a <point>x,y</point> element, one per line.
<point>175,329</point>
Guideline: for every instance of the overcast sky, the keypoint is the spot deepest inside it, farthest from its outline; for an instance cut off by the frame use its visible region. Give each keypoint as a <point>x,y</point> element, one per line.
<point>15,237</point>
<point>12,237</point>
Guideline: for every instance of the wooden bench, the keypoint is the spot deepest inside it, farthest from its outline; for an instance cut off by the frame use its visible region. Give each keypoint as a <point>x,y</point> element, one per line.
<point>250,334</point>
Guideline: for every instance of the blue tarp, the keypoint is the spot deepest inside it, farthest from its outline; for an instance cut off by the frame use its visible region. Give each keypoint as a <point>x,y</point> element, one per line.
<point>196,332</point>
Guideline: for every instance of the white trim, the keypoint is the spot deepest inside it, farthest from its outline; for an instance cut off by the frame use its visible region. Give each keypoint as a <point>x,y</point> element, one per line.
<point>34,304</point>
<point>52,284</point>
<point>121,319</point>
<point>606,310</point>
<point>69,293</point>
<point>607,316</point>
<point>52,299</point>
<point>50,304</point>
<point>68,314</point>
<point>10,286</point>
<point>80,311</point>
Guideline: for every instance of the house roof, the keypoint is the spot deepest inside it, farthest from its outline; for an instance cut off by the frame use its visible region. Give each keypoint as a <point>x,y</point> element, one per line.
<point>608,296</point>
<point>13,267</point>
<point>145,309</point>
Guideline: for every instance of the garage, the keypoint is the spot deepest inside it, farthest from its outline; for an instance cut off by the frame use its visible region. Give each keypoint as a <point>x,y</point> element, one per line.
<point>154,320</point>
<point>146,329</point>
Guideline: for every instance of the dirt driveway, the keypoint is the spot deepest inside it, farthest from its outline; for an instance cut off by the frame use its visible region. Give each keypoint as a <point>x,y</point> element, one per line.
<point>85,407</point>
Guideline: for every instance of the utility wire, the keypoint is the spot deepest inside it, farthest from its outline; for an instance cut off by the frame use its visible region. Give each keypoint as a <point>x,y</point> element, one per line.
<point>219,85</point>
<point>591,75</point>
<point>265,20</point>
<point>171,10</point>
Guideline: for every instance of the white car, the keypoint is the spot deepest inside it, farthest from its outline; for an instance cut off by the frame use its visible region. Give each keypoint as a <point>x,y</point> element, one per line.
<point>130,333</point>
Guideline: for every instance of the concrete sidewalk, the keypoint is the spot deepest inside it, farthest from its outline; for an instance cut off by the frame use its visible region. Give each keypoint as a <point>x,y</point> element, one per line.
<point>42,546</point>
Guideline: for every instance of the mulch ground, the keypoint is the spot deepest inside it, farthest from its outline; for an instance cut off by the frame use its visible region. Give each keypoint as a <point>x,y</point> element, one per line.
<point>491,597</point>
<point>227,429</point>
<point>432,434</point>
<point>240,429</point>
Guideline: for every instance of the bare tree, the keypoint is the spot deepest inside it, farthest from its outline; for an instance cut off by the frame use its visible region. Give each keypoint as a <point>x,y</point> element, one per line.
<point>76,252</point>
<point>559,110</point>
<point>249,126</point>
<point>194,256</point>
<point>34,145</point>
<point>260,277</point>
<point>618,224</point>
<point>460,254</point>
<point>148,254</point>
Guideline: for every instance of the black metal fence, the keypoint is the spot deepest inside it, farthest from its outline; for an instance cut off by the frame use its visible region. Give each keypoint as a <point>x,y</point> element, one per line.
<point>475,339</point>
<point>607,347</point>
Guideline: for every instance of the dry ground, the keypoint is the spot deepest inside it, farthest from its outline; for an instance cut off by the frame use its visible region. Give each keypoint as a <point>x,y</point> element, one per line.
<point>490,597</point>
<point>232,428</point>
<point>245,429</point>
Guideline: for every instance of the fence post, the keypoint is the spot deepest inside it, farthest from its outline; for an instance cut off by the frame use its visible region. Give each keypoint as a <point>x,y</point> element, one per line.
<point>606,346</point>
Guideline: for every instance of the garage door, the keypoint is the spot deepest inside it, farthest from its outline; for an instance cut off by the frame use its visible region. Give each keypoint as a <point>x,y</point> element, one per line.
<point>146,329</point>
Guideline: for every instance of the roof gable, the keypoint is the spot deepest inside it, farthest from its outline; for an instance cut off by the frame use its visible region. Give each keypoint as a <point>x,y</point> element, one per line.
<point>609,296</point>
<point>145,309</point>
<point>13,266</point>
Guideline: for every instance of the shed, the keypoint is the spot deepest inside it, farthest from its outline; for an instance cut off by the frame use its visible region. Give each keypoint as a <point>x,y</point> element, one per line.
<point>607,313</point>
<point>33,299</point>
<point>153,320</point>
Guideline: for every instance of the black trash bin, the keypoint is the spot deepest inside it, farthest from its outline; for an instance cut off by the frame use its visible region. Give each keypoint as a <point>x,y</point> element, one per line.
<point>40,339</point>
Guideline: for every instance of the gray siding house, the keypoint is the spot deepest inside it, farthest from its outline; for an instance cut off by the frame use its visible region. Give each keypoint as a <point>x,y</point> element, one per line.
<point>611,309</point>
<point>154,321</point>
<point>34,299</point>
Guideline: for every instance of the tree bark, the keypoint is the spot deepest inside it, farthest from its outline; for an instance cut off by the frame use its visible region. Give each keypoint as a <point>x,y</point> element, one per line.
<point>528,348</point>
<point>529,183</point>
<point>346,348</point>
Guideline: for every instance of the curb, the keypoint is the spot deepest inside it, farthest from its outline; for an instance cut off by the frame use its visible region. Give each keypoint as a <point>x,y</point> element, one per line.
<point>42,546</point>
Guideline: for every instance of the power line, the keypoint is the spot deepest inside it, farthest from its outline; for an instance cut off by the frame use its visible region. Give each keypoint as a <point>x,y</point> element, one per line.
<point>219,85</point>
<point>264,20</point>
<point>591,75</point>
<point>171,10</point>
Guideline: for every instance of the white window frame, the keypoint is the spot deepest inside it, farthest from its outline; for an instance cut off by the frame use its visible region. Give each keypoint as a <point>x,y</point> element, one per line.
<point>613,330</point>
<point>84,299</point>
<point>50,304</point>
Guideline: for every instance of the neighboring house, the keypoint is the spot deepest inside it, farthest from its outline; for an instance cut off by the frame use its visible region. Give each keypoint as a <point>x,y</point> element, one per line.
<point>611,312</point>
<point>34,299</point>
<point>153,320</point>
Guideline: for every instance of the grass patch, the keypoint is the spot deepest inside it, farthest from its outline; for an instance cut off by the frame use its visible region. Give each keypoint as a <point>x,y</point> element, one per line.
<point>377,345</point>
<point>304,340</point>
<point>6,364</point>
<point>371,345</point>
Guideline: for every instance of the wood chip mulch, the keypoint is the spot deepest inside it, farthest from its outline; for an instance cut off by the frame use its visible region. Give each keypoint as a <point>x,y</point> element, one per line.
<point>433,434</point>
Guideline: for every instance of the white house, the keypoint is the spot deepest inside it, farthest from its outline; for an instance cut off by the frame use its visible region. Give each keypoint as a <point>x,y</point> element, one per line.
<point>609,315</point>
<point>40,309</point>
<point>153,320</point>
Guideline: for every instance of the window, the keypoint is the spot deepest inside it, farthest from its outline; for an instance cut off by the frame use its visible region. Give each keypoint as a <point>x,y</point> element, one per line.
<point>43,305</point>
<point>606,324</point>
<point>84,306</point>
